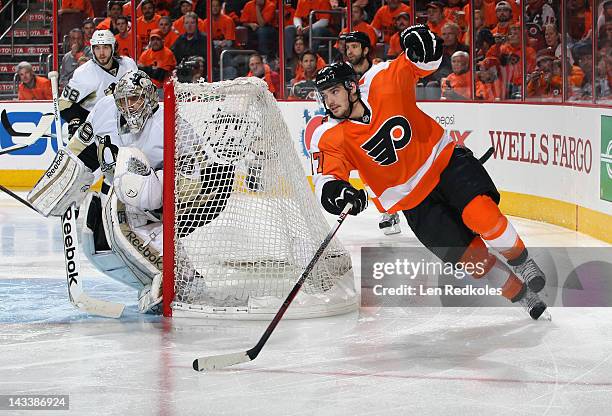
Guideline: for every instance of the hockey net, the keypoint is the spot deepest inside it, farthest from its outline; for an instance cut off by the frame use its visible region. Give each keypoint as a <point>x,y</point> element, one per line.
<point>244,223</point>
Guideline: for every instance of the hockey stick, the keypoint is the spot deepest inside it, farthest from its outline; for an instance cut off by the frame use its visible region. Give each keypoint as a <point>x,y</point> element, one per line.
<point>13,148</point>
<point>483,159</point>
<point>17,197</point>
<point>225,360</point>
<point>76,294</point>
<point>40,131</point>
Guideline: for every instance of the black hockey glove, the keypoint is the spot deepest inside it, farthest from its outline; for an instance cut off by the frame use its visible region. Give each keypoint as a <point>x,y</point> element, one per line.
<point>421,44</point>
<point>73,125</point>
<point>336,194</point>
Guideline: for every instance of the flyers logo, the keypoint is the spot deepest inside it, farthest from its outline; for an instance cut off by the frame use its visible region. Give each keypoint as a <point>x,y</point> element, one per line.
<point>393,135</point>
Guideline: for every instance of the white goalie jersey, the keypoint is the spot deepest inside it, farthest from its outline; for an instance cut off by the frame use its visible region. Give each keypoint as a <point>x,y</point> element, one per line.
<point>97,141</point>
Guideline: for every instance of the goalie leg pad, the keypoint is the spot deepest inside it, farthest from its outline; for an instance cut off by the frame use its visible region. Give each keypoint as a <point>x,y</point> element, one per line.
<point>65,181</point>
<point>137,243</point>
<point>95,247</point>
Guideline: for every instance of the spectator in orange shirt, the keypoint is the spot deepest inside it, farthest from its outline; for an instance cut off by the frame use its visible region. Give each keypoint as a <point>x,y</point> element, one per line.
<point>157,61</point>
<point>258,17</point>
<point>384,22</point>
<point>458,84</point>
<point>511,60</point>
<point>115,8</point>
<point>435,17</point>
<point>88,28</point>
<point>450,11</point>
<point>32,87</point>
<point>186,6</point>
<point>258,69</point>
<point>168,32</point>
<point>309,67</point>
<point>125,45</point>
<point>401,22</point>
<point>303,86</point>
<point>162,7</point>
<point>489,86</point>
<point>76,6</point>
<point>543,83</point>
<point>146,23</point>
<point>359,25</point>
<point>299,48</point>
<point>503,10</point>
<point>224,30</point>
<point>231,8</point>
<point>301,26</point>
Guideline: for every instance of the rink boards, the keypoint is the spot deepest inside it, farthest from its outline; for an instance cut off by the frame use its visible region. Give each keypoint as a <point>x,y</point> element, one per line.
<point>552,163</point>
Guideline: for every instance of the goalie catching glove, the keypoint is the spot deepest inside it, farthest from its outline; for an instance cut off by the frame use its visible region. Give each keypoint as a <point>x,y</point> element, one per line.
<point>135,182</point>
<point>336,194</point>
<point>421,44</point>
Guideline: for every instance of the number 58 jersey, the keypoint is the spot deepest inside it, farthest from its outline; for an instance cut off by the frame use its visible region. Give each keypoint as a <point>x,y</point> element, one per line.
<point>91,82</point>
<point>398,150</point>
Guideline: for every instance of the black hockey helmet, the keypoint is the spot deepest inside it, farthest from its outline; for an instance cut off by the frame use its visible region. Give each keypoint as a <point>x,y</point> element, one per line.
<point>359,37</point>
<point>336,73</point>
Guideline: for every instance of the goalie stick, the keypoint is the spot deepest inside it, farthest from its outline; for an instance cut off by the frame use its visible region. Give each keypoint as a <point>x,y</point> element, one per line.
<point>225,360</point>
<point>77,296</point>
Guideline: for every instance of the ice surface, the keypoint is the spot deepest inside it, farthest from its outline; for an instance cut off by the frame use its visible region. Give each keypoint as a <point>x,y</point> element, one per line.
<point>395,361</point>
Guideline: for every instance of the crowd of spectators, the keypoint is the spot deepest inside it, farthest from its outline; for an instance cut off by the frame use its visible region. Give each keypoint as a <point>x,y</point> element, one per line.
<point>172,37</point>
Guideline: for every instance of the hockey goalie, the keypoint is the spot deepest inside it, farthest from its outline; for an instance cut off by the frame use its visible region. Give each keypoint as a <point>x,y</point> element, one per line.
<point>119,228</point>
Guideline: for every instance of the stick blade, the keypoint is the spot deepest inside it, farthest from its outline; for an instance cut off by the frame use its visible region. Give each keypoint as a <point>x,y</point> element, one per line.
<point>99,307</point>
<point>13,148</point>
<point>216,362</point>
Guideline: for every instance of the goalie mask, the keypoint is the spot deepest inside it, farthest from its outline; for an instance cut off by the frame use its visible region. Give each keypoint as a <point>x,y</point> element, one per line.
<point>136,99</point>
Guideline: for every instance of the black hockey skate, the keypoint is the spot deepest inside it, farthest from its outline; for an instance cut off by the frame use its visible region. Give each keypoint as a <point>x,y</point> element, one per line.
<point>531,274</point>
<point>389,224</point>
<point>535,307</point>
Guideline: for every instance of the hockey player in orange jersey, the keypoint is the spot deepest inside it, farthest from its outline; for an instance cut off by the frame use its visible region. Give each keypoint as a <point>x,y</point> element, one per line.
<point>410,164</point>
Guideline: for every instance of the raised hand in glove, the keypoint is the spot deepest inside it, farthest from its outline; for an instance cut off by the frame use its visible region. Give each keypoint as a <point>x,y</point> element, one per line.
<point>421,44</point>
<point>336,194</point>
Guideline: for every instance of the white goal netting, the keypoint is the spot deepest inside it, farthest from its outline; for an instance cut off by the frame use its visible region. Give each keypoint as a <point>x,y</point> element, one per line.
<point>246,221</point>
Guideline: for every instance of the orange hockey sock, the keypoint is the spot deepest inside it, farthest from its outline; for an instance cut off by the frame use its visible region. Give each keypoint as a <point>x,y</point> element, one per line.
<point>482,215</point>
<point>497,273</point>
<point>478,258</point>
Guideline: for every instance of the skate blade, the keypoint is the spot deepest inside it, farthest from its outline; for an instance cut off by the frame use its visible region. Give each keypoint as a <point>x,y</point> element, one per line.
<point>395,229</point>
<point>546,316</point>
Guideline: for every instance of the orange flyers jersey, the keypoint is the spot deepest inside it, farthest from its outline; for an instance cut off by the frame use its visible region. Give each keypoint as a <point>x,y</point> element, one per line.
<point>400,153</point>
